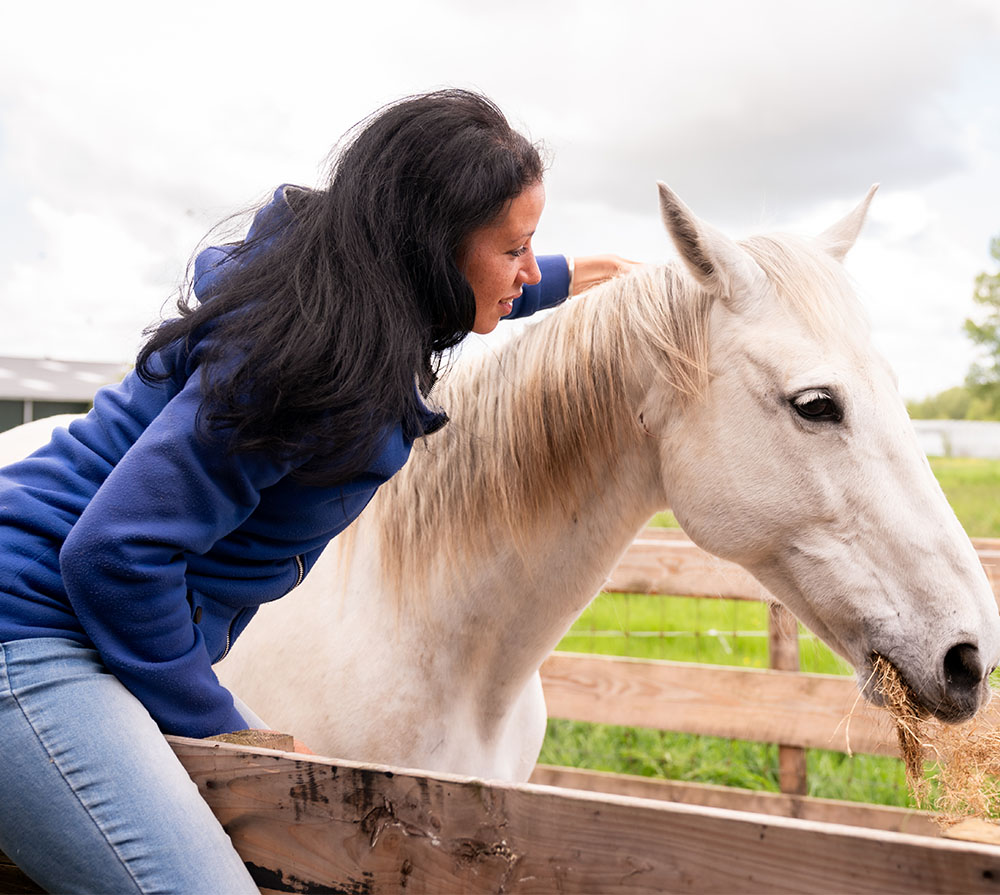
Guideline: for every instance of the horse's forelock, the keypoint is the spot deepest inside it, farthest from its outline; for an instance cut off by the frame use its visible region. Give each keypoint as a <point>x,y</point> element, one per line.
<point>814,286</point>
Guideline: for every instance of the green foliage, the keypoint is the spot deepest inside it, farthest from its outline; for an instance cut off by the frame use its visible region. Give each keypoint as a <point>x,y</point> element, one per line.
<point>979,398</point>
<point>984,375</point>
<point>958,403</point>
<point>952,404</point>
<point>972,487</point>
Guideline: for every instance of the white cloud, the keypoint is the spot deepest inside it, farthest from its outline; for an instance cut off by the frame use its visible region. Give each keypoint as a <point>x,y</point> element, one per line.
<point>126,131</point>
<point>100,289</point>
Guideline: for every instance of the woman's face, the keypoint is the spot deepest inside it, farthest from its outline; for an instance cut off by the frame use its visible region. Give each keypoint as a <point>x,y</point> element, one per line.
<point>498,260</point>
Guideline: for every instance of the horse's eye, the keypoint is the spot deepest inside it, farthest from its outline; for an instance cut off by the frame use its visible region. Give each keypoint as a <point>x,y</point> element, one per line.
<point>817,405</point>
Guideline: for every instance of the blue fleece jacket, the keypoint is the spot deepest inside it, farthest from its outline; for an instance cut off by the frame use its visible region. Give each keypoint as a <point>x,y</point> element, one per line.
<point>129,533</point>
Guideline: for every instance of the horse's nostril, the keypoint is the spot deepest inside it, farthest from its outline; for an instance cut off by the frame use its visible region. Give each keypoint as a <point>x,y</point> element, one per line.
<point>962,668</point>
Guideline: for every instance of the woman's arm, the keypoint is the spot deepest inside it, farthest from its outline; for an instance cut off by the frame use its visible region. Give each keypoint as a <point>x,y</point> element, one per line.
<point>592,270</point>
<point>124,563</point>
<point>559,282</point>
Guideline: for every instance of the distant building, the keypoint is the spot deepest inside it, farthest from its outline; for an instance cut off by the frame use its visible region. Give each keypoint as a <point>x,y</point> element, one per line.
<point>959,438</point>
<point>33,388</point>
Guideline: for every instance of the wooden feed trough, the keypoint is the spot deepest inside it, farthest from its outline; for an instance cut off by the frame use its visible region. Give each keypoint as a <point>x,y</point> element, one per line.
<point>307,824</point>
<point>317,825</point>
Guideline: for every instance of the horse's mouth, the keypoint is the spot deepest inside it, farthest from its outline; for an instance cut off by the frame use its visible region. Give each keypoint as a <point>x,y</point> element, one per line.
<point>884,684</point>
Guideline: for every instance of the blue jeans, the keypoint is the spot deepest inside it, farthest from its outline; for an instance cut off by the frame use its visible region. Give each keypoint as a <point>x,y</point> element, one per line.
<point>92,799</point>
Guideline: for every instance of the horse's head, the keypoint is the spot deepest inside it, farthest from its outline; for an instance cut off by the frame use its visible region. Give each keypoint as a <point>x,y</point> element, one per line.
<point>798,461</point>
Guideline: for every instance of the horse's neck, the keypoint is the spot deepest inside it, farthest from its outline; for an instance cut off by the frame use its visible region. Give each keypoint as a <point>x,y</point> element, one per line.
<point>535,596</point>
<point>517,529</point>
<point>490,625</point>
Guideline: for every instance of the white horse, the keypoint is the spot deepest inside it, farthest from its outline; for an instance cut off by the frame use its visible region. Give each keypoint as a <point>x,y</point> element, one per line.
<point>740,389</point>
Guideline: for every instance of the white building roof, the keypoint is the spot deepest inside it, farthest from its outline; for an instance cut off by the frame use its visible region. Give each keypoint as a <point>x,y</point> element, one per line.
<point>41,379</point>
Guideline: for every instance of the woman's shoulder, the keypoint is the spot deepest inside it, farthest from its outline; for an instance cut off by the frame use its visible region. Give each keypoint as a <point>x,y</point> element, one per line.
<point>214,263</point>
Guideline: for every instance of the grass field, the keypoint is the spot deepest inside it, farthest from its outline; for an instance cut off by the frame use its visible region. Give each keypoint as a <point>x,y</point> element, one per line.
<point>732,632</point>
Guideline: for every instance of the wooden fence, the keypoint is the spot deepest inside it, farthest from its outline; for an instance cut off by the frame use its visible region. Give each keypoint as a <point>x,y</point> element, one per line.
<point>778,705</point>
<point>306,824</point>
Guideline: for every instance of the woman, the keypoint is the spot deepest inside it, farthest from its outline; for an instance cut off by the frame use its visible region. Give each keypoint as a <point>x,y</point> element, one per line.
<point>138,543</point>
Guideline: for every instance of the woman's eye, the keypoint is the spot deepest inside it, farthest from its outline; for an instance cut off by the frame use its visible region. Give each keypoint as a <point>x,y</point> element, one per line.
<point>517,253</point>
<point>817,406</point>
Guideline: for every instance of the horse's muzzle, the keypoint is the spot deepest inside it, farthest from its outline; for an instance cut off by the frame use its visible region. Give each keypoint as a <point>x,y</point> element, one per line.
<point>952,692</point>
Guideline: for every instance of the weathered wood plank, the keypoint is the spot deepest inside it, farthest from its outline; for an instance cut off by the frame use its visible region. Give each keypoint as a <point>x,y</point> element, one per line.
<point>857,814</point>
<point>13,881</point>
<point>263,739</point>
<point>975,829</point>
<point>665,561</point>
<point>783,655</point>
<point>989,555</point>
<point>313,825</point>
<point>809,711</point>
<point>805,710</point>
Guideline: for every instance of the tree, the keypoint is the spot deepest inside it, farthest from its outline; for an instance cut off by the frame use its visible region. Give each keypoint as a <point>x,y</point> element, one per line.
<point>984,376</point>
<point>951,404</point>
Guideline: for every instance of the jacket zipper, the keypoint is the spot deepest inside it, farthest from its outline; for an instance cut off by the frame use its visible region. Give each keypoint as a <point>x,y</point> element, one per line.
<point>301,565</point>
<point>301,570</point>
<point>229,637</point>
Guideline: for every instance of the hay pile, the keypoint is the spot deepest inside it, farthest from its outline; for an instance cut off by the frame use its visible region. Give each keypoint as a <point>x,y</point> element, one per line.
<point>966,756</point>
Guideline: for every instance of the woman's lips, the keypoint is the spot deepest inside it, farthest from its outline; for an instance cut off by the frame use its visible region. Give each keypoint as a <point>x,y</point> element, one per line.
<point>507,304</point>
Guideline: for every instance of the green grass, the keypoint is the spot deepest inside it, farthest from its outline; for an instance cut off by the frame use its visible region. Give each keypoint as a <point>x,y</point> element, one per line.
<point>733,632</point>
<point>973,490</point>
<point>703,759</point>
<point>971,485</point>
<point>686,629</point>
<point>653,753</point>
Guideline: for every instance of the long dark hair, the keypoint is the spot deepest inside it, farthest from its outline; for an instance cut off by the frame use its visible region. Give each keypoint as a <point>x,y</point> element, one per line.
<point>312,347</point>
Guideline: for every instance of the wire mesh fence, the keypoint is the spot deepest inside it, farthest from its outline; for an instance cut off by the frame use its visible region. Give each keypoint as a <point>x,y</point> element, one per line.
<point>713,632</point>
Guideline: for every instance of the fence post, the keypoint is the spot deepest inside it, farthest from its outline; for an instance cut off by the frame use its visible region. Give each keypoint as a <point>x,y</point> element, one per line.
<point>783,647</point>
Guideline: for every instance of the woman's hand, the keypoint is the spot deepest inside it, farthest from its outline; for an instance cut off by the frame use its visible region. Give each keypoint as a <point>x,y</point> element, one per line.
<point>589,270</point>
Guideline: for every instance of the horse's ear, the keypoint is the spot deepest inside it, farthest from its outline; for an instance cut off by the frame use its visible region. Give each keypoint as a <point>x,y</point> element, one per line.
<point>839,238</point>
<point>713,259</point>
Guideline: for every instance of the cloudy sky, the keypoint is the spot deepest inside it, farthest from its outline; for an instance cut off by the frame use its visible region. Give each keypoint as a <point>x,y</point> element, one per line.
<point>127,130</point>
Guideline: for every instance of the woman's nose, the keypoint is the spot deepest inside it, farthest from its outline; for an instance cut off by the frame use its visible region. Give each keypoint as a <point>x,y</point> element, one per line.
<point>530,274</point>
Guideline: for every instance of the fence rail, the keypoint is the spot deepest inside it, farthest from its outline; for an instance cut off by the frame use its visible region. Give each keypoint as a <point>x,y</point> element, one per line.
<point>667,561</point>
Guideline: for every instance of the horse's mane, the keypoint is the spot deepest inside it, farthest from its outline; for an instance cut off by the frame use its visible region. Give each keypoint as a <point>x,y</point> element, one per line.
<point>536,424</point>
<point>814,286</point>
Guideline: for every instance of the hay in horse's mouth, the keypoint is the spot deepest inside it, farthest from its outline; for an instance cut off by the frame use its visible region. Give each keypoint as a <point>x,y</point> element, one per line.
<point>908,716</point>
<point>966,755</point>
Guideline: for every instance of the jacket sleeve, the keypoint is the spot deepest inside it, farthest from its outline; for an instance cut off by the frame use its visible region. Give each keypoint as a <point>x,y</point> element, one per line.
<point>123,563</point>
<point>551,290</point>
